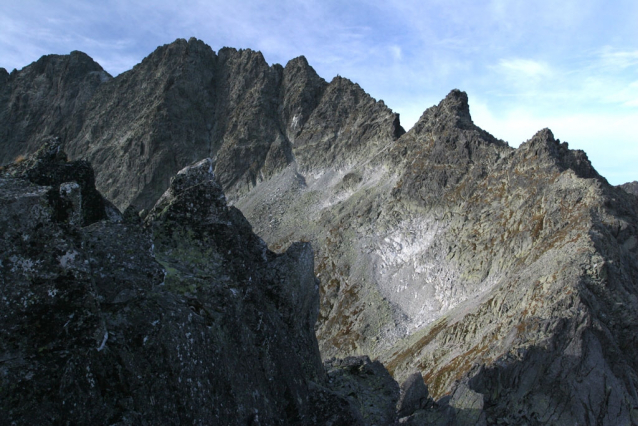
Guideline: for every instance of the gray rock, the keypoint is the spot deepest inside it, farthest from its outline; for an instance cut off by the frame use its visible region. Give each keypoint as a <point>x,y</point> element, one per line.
<point>367,385</point>
<point>45,98</point>
<point>631,187</point>
<point>49,166</point>
<point>184,103</point>
<point>414,395</point>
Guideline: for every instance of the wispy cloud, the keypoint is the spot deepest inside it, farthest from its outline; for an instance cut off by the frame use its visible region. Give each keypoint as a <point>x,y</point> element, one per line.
<point>524,68</point>
<point>618,59</point>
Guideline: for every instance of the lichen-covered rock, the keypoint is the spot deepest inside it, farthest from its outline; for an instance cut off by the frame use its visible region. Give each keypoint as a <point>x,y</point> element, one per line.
<point>49,166</point>
<point>190,320</point>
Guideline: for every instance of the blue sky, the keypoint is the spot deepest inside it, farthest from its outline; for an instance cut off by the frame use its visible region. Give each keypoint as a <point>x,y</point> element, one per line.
<point>571,66</point>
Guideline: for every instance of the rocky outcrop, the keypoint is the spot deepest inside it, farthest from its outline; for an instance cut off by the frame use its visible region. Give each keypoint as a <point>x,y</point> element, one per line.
<point>367,385</point>
<point>49,166</point>
<point>631,187</point>
<point>190,319</point>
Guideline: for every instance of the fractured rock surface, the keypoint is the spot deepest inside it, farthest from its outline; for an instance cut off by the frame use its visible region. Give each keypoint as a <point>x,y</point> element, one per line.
<point>190,319</point>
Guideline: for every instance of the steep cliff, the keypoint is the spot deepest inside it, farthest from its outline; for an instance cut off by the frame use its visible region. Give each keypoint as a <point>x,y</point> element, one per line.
<point>183,103</point>
<point>45,98</point>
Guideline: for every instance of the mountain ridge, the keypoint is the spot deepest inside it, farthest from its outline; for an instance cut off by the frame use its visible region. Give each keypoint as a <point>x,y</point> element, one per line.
<point>441,250</point>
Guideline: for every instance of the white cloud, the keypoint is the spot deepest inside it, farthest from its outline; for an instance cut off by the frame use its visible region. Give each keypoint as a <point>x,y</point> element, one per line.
<point>395,51</point>
<point>618,59</point>
<point>525,68</point>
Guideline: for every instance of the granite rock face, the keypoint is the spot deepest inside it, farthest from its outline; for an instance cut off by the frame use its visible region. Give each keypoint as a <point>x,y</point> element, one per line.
<point>183,103</point>
<point>189,319</point>
<point>507,277</point>
<point>43,99</point>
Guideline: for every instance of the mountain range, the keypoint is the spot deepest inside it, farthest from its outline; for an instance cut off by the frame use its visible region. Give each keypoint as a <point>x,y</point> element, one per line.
<point>506,277</point>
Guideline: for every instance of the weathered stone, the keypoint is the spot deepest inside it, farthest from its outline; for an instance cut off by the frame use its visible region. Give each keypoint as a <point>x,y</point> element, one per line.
<point>45,98</point>
<point>631,187</point>
<point>367,385</point>
<point>414,395</point>
<point>49,166</point>
<point>190,320</point>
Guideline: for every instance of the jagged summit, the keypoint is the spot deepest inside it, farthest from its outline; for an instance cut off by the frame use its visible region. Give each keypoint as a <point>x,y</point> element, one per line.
<point>543,147</point>
<point>456,104</point>
<point>454,108</point>
<point>184,102</point>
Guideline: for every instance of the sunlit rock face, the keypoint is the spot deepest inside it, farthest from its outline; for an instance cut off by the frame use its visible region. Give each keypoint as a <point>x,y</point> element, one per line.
<point>506,277</point>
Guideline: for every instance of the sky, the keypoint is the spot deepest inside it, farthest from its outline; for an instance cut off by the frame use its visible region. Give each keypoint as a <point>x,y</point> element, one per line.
<point>571,65</point>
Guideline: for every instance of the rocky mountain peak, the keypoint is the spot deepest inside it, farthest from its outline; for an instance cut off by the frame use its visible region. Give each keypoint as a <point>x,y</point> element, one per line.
<point>177,54</point>
<point>453,111</point>
<point>70,67</point>
<point>456,104</point>
<point>39,100</point>
<point>505,278</point>
<point>4,76</point>
<point>300,62</point>
<point>547,150</point>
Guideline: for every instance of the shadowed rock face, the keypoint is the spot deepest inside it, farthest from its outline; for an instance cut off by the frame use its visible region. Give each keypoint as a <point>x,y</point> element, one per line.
<point>45,98</point>
<point>184,102</point>
<point>507,277</point>
<point>190,319</point>
<point>49,166</point>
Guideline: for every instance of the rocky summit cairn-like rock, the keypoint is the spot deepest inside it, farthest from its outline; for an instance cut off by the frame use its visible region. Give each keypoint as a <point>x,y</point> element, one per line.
<point>49,166</point>
<point>508,278</point>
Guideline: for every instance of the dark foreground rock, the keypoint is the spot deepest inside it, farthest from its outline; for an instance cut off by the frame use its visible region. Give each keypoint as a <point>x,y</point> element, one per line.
<point>367,385</point>
<point>189,320</point>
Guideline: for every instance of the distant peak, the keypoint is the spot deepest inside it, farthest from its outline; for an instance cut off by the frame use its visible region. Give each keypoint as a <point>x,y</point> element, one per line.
<point>544,135</point>
<point>456,104</point>
<point>543,140</point>
<point>299,61</point>
<point>544,145</point>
